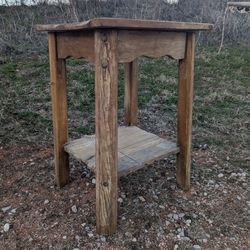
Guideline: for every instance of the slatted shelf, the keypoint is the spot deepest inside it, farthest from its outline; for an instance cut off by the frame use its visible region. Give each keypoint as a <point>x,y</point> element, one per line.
<point>136,148</point>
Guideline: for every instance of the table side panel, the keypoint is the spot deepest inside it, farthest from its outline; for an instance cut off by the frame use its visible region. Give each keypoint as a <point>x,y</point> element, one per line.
<point>153,44</point>
<point>78,44</point>
<point>131,44</point>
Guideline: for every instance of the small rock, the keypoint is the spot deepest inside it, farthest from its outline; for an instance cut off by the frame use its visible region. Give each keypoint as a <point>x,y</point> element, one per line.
<point>188,222</point>
<point>93,181</point>
<point>128,234</point>
<point>134,239</point>
<point>228,158</point>
<point>176,247</point>
<point>194,216</point>
<point>6,227</point>
<point>64,237</point>
<point>90,235</point>
<point>120,200</point>
<point>141,198</point>
<point>196,247</point>
<point>77,237</point>
<point>123,195</point>
<point>167,223</point>
<point>83,224</point>
<point>220,176</point>
<point>181,215</point>
<point>175,216</point>
<point>46,202</point>
<point>5,209</point>
<point>13,211</point>
<point>74,209</point>
<point>161,207</point>
<point>123,218</point>
<point>103,239</point>
<point>76,248</point>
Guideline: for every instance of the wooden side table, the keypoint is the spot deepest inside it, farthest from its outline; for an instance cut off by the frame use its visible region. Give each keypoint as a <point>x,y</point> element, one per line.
<point>114,151</point>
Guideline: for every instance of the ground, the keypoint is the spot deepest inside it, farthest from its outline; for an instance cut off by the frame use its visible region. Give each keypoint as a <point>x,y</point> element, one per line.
<point>153,212</point>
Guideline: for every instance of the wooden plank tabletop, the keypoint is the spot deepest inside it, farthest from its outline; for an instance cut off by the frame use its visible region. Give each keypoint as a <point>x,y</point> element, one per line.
<point>122,23</point>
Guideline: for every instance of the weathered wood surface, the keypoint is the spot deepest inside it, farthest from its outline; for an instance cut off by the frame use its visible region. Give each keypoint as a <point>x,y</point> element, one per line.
<point>122,23</point>
<point>239,4</point>
<point>136,148</point>
<point>184,121</point>
<point>76,44</point>
<point>131,93</point>
<point>153,44</point>
<point>59,112</point>
<point>131,45</point>
<point>106,91</point>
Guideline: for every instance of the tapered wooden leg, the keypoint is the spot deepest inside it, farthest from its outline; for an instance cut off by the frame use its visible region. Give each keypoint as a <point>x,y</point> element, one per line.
<point>185,100</point>
<point>59,112</point>
<point>131,93</point>
<point>106,79</point>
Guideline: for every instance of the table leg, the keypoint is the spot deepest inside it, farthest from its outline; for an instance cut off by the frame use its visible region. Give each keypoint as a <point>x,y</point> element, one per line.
<point>106,91</point>
<point>131,93</point>
<point>59,112</point>
<point>185,100</point>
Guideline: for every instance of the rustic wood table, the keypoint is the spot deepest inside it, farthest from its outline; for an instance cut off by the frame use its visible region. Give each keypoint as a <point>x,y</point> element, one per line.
<point>114,151</point>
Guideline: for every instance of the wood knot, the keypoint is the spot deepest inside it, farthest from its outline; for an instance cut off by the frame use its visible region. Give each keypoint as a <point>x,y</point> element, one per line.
<point>104,37</point>
<point>104,63</point>
<point>105,184</point>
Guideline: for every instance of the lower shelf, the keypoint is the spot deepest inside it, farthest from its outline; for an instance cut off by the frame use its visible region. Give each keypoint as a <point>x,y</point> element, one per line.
<point>136,148</point>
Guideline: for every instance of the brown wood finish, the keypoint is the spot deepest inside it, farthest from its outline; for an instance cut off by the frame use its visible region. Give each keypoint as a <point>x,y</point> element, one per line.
<point>76,44</point>
<point>106,74</point>
<point>131,93</point>
<point>136,149</point>
<point>185,101</point>
<point>123,23</point>
<point>59,112</point>
<point>153,44</point>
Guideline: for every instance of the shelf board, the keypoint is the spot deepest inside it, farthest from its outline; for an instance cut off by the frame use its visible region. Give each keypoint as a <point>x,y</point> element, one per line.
<point>136,148</point>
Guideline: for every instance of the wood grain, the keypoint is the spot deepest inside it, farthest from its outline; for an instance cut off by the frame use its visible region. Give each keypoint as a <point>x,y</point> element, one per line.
<point>106,75</point>
<point>131,93</point>
<point>123,23</point>
<point>59,112</point>
<point>76,44</point>
<point>153,44</point>
<point>136,149</point>
<point>185,101</point>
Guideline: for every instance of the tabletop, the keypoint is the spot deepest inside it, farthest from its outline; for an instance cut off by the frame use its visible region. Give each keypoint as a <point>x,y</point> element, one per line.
<point>123,23</point>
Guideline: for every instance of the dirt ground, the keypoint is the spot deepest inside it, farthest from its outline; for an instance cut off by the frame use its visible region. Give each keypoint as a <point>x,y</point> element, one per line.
<point>153,212</point>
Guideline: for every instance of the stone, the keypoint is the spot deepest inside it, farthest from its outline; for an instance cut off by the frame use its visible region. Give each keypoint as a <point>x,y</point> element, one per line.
<point>74,209</point>
<point>93,181</point>
<point>220,175</point>
<point>175,216</point>
<point>64,237</point>
<point>120,200</point>
<point>103,239</point>
<point>141,198</point>
<point>134,239</point>
<point>90,235</point>
<point>5,209</point>
<point>196,247</point>
<point>188,222</point>
<point>46,202</point>
<point>6,227</point>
